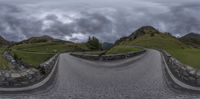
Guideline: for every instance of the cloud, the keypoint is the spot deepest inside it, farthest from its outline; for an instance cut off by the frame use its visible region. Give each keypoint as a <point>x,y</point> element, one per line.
<point>181,19</point>
<point>108,23</point>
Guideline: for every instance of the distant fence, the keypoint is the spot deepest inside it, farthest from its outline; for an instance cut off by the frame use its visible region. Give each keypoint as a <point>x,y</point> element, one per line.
<point>106,57</point>
<point>183,72</point>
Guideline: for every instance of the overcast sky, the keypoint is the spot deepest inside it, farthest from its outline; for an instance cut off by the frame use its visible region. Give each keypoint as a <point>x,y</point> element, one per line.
<point>108,20</point>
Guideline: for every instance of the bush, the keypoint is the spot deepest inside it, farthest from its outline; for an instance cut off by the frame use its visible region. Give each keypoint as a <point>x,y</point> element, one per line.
<point>93,43</point>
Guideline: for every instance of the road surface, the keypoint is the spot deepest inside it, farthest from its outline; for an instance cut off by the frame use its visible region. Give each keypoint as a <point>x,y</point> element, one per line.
<point>141,77</point>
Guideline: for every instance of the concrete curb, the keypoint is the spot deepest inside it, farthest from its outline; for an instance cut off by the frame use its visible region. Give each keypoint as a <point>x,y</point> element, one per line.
<point>178,82</point>
<point>37,85</point>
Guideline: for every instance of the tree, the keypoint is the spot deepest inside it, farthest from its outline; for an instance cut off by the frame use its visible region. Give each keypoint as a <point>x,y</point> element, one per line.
<point>93,43</point>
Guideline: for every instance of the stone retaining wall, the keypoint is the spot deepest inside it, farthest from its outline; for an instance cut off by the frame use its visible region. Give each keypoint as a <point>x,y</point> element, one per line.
<point>107,57</point>
<point>27,76</point>
<point>183,72</point>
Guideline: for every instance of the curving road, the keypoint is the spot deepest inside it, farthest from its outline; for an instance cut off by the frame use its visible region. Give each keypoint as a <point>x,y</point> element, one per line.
<point>141,77</point>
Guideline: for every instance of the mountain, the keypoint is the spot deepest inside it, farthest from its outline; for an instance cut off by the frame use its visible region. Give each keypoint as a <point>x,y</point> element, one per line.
<point>38,39</point>
<point>43,39</point>
<point>121,40</point>
<point>107,45</point>
<point>146,30</point>
<point>192,39</point>
<point>3,41</point>
<point>150,37</point>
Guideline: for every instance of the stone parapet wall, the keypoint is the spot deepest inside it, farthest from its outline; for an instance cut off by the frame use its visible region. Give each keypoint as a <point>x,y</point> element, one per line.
<point>26,76</point>
<point>107,57</point>
<point>182,72</point>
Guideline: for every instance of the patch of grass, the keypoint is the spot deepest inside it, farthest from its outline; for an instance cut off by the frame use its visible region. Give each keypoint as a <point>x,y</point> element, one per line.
<point>94,52</point>
<point>50,47</point>
<point>38,53</point>
<point>189,56</point>
<point>177,49</point>
<point>3,63</point>
<point>33,59</point>
<point>163,41</point>
<point>123,49</point>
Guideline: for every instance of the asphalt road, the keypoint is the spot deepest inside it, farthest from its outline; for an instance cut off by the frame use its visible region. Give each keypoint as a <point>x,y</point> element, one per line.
<point>141,77</point>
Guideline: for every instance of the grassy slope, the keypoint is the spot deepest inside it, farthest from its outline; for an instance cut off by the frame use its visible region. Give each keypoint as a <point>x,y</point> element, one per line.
<point>32,58</point>
<point>163,41</point>
<point>122,49</point>
<point>191,39</point>
<point>177,49</point>
<point>93,52</point>
<point>3,63</point>
<point>188,56</point>
<point>49,47</point>
<point>37,53</point>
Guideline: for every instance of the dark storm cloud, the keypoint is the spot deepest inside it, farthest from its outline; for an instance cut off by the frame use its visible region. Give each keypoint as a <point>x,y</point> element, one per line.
<point>181,19</point>
<point>93,23</point>
<point>88,23</point>
<point>106,22</point>
<point>14,25</point>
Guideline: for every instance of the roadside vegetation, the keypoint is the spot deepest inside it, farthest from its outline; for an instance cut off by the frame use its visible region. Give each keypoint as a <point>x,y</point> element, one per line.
<point>94,52</point>
<point>183,52</point>
<point>122,50</point>
<point>3,63</point>
<point>189,56</point>
<point>94,44</point>
<point>32,58</point>
<point>37,50</point>
<point>37,53</point>
<point>180,51</point>
<point>52,47</point>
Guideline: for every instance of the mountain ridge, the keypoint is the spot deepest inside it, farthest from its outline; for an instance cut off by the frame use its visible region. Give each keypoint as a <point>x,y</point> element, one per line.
<point>191,39</point>
<point>3,41</point>
<point>150,37</point>
<point>42,39</point>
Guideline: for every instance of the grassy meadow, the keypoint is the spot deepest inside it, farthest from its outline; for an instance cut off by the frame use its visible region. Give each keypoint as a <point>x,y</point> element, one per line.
<point>185,54</point>
<point>37,53</point>
<point>189,56</point>
<point>3,63</point>
<point>122,50</point>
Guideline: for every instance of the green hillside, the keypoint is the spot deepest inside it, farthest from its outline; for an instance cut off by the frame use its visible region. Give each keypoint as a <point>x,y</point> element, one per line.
<point>36,53</point>
<point>191,39</point>
<point>123,50</point>
<point>149,37</point>
<point>37,50</point>
<point>42,39</point>
<point>50,47</point>
<point>164,41</point>
<point>3,42</point>
<point>3,63</point>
